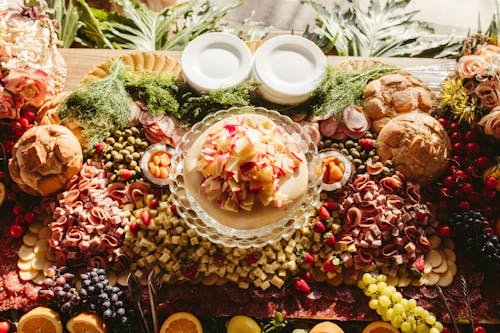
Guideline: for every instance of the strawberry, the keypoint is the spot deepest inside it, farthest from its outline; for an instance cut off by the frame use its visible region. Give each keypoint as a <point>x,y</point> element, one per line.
<point>366,144</point>
<point>331,263</point>
<point>145,218</point>
<point>330,205</point>
<point>323,213</point>
<point>134,227</point>
<point>319,226</point>
<point>329,238</point>
<point>308,277</point>
<point>173,209</point>
<point>253,257</point>
<point>308,258</point>
<point>124,174</point>
<point>153,204</point>
<point>100,147</point>
<point>301,285</point>
<point>417,268</point>
<point>422,214</point>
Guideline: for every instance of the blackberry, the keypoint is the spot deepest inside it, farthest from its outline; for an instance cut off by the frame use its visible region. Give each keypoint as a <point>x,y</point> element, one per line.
<point>108,301</point>
<point>468,228</point>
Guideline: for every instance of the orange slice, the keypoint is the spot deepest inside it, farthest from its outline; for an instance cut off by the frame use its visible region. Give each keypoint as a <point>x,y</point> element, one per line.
<point>40,320</point>
<point>380,327</point>
<point>181,322</point>
<point>326,327</point>
<point>86,323</point>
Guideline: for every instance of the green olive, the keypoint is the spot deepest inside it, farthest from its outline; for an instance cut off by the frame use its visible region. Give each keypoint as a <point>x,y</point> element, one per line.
<point>357,161</point>
<point>388,163</point>
<point>108,156</point>
<point>118,158</point>
<point>118,146</point>
<point>345,151</point>
<point>144,145</point>
<point>131,140</point>
<point>130,149</point>
<point>110,140</point>
<point>136,156</point>
<point>369,135</point>
<point>127,132</point>
<point>375,158</point>
<point>138,141</point>
<point>386,171</point>
<point>135,130</point>
<point>133,164</point>
<point>118,134</point>
<point>361,168</point>
<point>113,178</point>
<point>138,169</point>
<point>328,143</point>
<point>335,145</point>
<point>349,144</point>
<point>371,153</point>
<point>362,155</point>
<point>128,158</point>
<point>124,152</point>
<point>321,145</point>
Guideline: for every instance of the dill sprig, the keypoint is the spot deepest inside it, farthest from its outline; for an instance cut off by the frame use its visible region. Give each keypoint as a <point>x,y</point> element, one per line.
<point>100,106</point>
<point>342,88</point>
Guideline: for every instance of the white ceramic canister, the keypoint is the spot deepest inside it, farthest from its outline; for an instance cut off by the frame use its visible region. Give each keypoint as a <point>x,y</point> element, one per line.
<point>216,60</point>
<point>288,69</point>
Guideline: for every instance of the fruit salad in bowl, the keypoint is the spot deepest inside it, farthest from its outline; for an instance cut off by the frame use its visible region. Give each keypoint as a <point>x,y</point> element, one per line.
<point>246,177</point>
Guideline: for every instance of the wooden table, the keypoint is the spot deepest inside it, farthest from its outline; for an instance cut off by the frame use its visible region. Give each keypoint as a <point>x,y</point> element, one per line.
<point>81,61</point>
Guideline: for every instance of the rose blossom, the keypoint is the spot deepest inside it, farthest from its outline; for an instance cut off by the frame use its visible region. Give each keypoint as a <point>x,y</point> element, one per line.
<point>470,66</point>
<point>7,104</point>
<point>6,51</point>
<point>489,93</point>
<point>29,86</point>
<point>487,52</point>
<point>491,123</point>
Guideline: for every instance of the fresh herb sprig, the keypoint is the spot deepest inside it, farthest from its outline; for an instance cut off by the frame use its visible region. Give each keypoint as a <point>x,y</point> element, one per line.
<point>342,88</point>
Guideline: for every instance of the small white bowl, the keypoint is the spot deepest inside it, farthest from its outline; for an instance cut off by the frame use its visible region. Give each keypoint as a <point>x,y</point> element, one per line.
<point>348,172</point>
<point>289,68</point>
<point>216,60</point>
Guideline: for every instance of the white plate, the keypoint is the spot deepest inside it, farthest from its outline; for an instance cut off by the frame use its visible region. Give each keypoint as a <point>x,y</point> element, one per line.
<point>290,66</point>
<point>216,60</point>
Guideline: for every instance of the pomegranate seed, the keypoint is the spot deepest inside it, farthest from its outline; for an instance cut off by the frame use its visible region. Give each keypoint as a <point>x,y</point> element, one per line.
<point>470,170</point>
<point>323,213</point>
<point>464,205</point>
<point>330,205</point>
<point>444,231</point>
<point>482,162</point>
<point>153,204</point>
<point>489,230</point>
<point>460,175</point>
<point>443,122</point>
<point>491,182</point>
<point>134,227</point>
<point>16,231</point>
<point>480,329</point>
<point>29,217</point>
<point>457,158</point>
<point>18,210</point>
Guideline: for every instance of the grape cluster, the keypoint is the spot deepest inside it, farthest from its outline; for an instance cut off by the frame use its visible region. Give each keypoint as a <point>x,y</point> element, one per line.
<point>109,301</point>
<point>58,287</point>
<point>402,313</point>
<point>473,230</point>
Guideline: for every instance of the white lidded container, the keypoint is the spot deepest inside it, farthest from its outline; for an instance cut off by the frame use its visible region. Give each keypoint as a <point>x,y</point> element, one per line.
<point>216,60</point>
<point>288,69</point>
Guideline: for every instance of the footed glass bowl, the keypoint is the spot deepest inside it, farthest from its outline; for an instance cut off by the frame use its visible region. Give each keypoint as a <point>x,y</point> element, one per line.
<point>207,226</point>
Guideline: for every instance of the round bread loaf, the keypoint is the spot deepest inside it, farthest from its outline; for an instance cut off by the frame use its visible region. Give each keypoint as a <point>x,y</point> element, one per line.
<point>394,94</point>
<point>44,158</point>
<point>417,144</point>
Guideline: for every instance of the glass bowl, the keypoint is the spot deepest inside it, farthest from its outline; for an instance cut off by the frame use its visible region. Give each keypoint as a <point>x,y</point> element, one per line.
<point>206,226</point>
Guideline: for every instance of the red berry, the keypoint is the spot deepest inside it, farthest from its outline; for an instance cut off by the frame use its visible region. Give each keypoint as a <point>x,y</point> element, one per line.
<point>457,148</point>
<point>301,285</point>
<point>18,132</point>
<point>443,122</point>
<point>489,230</point>
<point>419,264</point>
<point>18,210</point>
<point>24,122</point>
<point>16,124</point>
<point>323,213</point>
<point>134,227</point>
<point>457,158</point>
<point>319,226</point>
<point>474,197</point>
<point>482,162</point>
<point>444,231</point>
<point>480,329</point>
<point>308,277</point>
<point>464,205</point>
<point>330,205</point>
<point>454,126</point>
<point>421,215</point>
<point>491,182</point>
<point>29,114</point>
<point>460,176</point>
<point>252,258</point>
<point>489,193</point>
<point>29,217</point>
<point>99,147</point>
<point>329,238</point>
<point>456,137</point>
<point>449,182</point>
<point>124,174</point>
<point>16,230</point>
<point>445,193</point>
<point>328,266</point>
<point>173,209</point>
<point>308,258</point>
<point>366,144</point>
<point>5,326</point>
<point>8,145</point>
<point>470,170</point>
<point>470,136</point>
<point>145,218</point>
<point>473,148</point>
<point>467,188</point>
<point>446,330</point>
<point>153,204</point>
<point>2,174</point>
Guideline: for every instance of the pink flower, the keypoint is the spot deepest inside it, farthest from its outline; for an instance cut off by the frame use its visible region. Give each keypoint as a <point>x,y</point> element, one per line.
<point>29,86</point>
<point>487,52</point>
<point>489,93</point>
<point>6,51</point>
<point>7,104</point>
<point>470,66</point>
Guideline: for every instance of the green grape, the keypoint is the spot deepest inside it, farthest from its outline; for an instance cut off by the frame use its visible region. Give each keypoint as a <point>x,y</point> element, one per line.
<point>433,330</point>
<point>412,321</point>
<point>381,310</point>
<point>404,303</point>
<point>398,308</point>
<point>422,328</point>
<point>371,290</point>
<point>419,311</point>
<point>381,278</point>
<point>381,286</point>
<point>361,284</point>
<point>405,327</point>
<point>390,314</point>
<point>388,291</point>
<point>430,319</point>
<point>438,326</point>
<point>412,303</point>
<point>384,301</point>
<point>396,323</point>
<point>373,304</point>
<point>368,278</point>
<point>396,297</point>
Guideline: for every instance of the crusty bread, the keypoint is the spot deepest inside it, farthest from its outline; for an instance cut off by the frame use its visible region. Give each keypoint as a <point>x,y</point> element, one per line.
<point>44,158</point>
<point>417,144</point>
<point>394,94</point>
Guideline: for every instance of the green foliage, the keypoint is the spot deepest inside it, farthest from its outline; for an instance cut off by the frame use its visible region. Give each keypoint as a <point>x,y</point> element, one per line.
<point>383,30</point>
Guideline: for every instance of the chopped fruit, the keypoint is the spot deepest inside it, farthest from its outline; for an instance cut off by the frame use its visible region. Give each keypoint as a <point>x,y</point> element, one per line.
<point>380,327</point>
<point>86,323</point>
<point>366,144</point>
<point>242,324</point>
<point>444,231</point>
<point>301,285</point>
<point>145,217</point>
<point>319,226</point>
<point>330,205</point>
<point>323,213</point>
<point>40,320</point>
<point>326,327</point>
<point>329,239</point>
<point>181,322</point>
<point>245,160</point>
